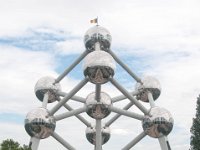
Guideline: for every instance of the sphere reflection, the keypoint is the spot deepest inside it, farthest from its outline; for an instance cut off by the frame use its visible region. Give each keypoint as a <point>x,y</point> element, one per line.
<point>150,84</point>
<point>97,34</point>
<point>99,66</point>
<point>47,84</point>
<point>98,110</point>
<point>91,134</point>
<point>39,124</point>
<point>158,123</point>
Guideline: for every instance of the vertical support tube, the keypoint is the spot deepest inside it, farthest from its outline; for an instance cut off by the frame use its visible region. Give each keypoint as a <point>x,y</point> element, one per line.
<point>98,145</point>
<point>97,46</point>
<point>45,100</point>
<point>164,144</point>
<point>124,66</point>
<point>98,92</point>
<point>151,100</point>
<point>61,76</point>
<point>34,143</point>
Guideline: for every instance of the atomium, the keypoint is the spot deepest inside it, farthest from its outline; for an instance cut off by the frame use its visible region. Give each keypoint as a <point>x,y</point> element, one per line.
<point>39,124</point>
<point>158,123</point>
<point>99,66</point>
<point>91,134</point>
<point>149,84</point>
<point>98,110</point>
<point>97,34</point>
<point>47,84</point>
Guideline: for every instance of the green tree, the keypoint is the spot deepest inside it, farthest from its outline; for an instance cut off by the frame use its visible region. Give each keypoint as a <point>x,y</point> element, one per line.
<point>10,144</point>
<point>195,129</point>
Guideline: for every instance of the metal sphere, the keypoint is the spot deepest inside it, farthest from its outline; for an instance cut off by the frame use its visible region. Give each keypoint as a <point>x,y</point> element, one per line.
<point>47,84</point>
<point>39,124</point>
<point>99,66</point>
<point>149,84</point>
<point>91,134</point>
<point>97,34</point>
<point>98,110</point>
<point>158,123</point>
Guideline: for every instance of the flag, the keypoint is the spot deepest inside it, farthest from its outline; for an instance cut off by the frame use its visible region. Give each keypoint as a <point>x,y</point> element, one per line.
<point>94,20</point>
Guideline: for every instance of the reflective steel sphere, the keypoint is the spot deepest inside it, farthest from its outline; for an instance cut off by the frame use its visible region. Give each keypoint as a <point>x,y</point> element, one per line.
<point>99,66</point>
<point>158,123</point>
<point>39,124</point>
<point>98,110</point>
<point>91,134</point>
<point>97,34</point>
<point>150,84</point>
<point>46,84</point>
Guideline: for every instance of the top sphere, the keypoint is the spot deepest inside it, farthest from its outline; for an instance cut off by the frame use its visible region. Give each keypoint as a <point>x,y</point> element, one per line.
<point>97,34</point>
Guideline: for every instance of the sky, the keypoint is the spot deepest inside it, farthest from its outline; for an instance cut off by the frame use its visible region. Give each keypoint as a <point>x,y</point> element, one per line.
<point>160,38</point>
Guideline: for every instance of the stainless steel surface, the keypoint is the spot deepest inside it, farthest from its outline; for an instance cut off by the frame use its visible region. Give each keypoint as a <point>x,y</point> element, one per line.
<point>149,84</point>
<point>97,34</point>
<point>39,124</point>
<point>46,84</point>
<point>98,110</point>
<point>99,66</point>
<point>158,123</point>
<point>91,134</point>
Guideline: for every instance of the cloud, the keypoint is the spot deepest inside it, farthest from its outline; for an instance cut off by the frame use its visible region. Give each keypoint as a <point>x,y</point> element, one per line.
<point>156,37</point>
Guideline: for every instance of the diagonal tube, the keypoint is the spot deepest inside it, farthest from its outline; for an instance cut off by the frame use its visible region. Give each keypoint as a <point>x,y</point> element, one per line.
<point>75,98</point>
<point>129,96</point>
<point>78,116</point>
<point>134,141</point>
<point>62,141</point>
<point>77,61</point>
<point>70,113</point>
<point>118,115</point>
<point>124,66</point>
<point>122,97</point>
<point>67,97</point>
<point>126,113</point>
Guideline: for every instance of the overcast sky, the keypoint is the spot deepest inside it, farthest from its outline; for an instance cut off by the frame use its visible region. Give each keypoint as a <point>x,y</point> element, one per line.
<point>42,37</point>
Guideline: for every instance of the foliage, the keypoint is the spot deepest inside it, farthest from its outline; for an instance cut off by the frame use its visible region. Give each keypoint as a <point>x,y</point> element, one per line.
<point>10,144</point>
<point>195,129</point>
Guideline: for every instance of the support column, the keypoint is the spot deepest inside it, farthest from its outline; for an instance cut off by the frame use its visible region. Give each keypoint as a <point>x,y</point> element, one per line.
<point>98,145</point>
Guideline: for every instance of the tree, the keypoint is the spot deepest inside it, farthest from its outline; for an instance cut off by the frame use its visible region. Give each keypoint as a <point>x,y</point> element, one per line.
<point>195,129</point>
<point>10,144</point>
